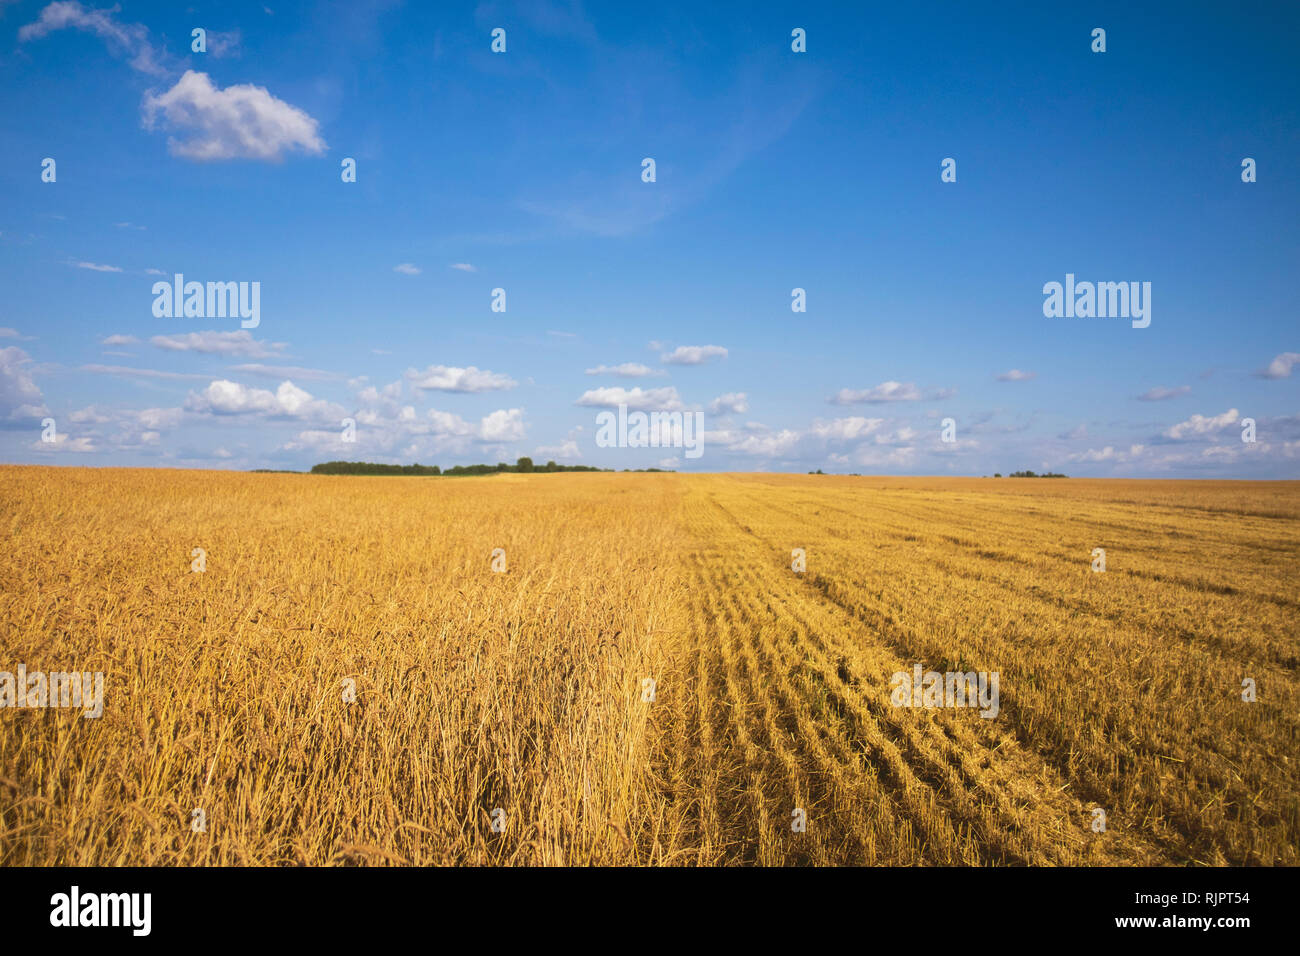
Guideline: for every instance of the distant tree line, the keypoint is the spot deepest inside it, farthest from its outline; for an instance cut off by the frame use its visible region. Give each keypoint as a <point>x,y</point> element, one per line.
<point>1030,474</point>
<point>522,466</point>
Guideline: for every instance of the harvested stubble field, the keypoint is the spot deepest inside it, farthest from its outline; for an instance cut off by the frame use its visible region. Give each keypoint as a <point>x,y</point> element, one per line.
<point>523,690</point>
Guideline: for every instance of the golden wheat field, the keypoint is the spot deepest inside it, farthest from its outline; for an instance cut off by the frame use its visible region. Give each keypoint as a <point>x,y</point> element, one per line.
<point>525,691</point>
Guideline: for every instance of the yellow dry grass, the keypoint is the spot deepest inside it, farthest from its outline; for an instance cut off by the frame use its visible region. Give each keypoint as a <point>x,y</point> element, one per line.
<point>523,690</point>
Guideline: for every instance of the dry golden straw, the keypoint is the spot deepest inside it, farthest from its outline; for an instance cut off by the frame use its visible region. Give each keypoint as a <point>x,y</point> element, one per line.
<point>523,691</point>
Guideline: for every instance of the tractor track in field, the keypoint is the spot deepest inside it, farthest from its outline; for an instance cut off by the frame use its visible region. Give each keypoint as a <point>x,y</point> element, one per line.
<point>784,704</point>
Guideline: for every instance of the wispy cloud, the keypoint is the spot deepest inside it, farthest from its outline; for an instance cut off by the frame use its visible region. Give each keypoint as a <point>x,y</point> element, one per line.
<point>224,45</point>
<point>562,19</point>
<point>286,371</point>
<point>758,109</point>
<point>407,269</point>
<point>1017,375</point>
<point>218,343</point>
<point>123,371</point>
<point>625,370</point>
<point>1160,393</point>
<point>878,394</point>
<point>123,39</point>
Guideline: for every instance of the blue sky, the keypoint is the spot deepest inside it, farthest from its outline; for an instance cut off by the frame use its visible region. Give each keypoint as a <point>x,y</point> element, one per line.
<point>774,170</point>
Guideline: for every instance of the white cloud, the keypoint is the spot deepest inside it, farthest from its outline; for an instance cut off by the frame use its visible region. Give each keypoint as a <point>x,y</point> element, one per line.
<point>7,333</point>
<point>384,399</point>
<point>64,443</point>
<point>660,399</point>
<point>113,340</point>
<point>871,456</point>
<point>156,418</point>
<point>1109,453</point>
<point>90,415</point>
<point>463,267</point>
<point>239,122</point>
<point>441,423</point>
<point>20,397</point>
<point>406,269</point>
<point>767,444</point>
<point>224,397</point>
<point>1016,375</point>
<point>448,378</point>
<point>386,427</point>
<point>1160,393</point>
<point>321,440</point>
<point>566,451</point>
<point>96,267</point>
<point>1281,366</point>
<point>692,354</point>
<point>505,424</point>
<point>240,342</point>
<point>846,429</point>
<point>626,370</point>
<point>884,392</point>
<point>135,429</point>
<point>732,402</point>
<point>1200,425</point>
